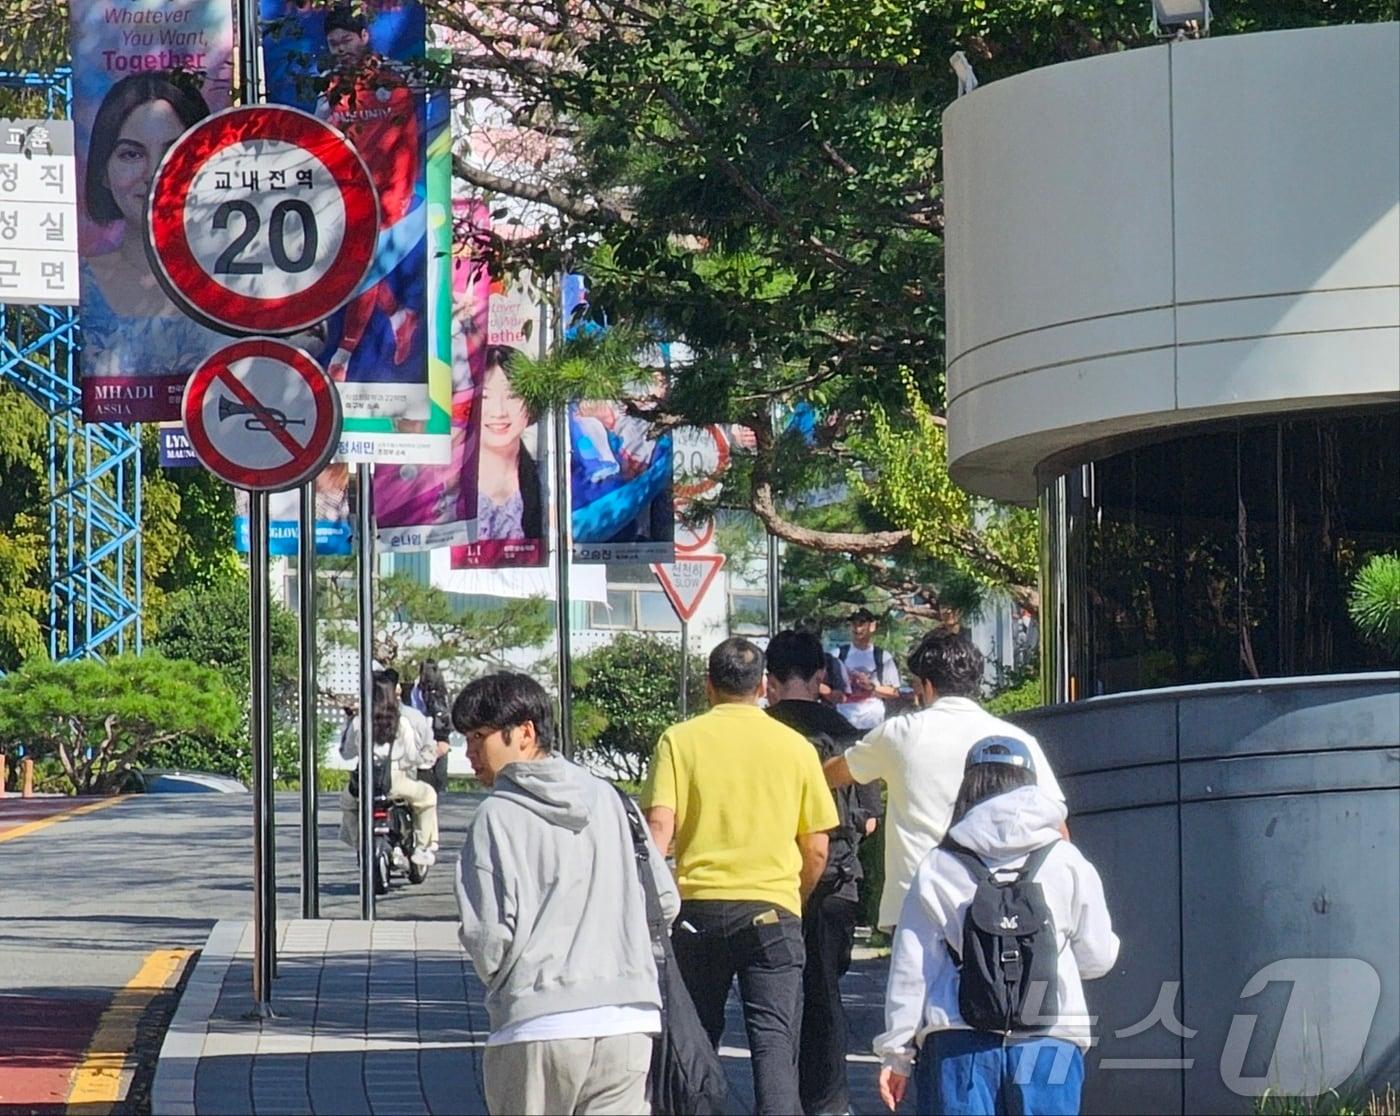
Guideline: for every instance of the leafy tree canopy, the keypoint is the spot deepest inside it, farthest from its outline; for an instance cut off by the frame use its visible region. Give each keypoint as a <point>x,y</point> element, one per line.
<point>762,179</point>
<point>100,718</point>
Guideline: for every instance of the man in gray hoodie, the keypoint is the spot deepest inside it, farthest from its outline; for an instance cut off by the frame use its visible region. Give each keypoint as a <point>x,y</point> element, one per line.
<point>554,916</point>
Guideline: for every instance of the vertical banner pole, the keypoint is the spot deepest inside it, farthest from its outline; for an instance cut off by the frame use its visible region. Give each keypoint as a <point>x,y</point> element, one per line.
<point>364,529</point>
<point>306,612</point>
<point>563,547</point>
<point>685,668</point>
<point>774,559</point>
<point>260,721</point>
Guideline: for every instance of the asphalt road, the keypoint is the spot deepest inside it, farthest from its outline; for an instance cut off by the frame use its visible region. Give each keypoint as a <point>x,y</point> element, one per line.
<point>84,902</point>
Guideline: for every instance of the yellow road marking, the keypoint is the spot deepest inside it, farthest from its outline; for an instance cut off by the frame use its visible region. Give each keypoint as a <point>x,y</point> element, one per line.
<point>104,1075</point>
<point>53,819</point>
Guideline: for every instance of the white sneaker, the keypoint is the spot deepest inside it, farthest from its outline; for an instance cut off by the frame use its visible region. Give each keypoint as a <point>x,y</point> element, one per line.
<point>423,857</point>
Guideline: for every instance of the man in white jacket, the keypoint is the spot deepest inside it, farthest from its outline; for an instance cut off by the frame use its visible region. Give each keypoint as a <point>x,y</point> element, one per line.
<point>1001,817</point>
<point>554,915</point>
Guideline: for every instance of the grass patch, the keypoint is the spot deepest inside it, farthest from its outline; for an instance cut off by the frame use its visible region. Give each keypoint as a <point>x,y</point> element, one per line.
<point>1330,1103</point>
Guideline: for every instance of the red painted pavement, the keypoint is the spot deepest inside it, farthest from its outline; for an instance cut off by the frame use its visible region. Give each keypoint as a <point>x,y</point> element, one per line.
<point>42,1040</point>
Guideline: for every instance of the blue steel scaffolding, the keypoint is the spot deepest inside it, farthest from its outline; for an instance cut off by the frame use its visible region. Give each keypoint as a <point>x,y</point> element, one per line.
<point>94,508</point>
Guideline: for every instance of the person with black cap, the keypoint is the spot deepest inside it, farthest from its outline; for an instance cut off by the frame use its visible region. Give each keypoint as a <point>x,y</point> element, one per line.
<point>1002,925</point>
<point>872,670</point>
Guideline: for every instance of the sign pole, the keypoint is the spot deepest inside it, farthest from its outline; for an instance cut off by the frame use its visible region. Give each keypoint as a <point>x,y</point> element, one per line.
<point>685,665</point>
<point>563,547</point>
<point>364,528</point>
<point>260,721</point>
<point>306,612</point>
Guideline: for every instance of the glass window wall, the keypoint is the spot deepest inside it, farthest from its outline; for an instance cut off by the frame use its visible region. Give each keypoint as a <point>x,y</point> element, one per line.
<point>1223,554</point>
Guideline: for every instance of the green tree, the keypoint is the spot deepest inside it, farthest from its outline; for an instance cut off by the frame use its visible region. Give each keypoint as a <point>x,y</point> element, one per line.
<point>762,179</point>
<point>413,622</point>
<point>23,537</point>
<point>99,719</point>
<point>626,694</point>
<point>209,626</point>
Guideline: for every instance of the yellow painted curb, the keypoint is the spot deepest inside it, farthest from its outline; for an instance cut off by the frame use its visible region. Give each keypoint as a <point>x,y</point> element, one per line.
<point>53,819</point>
<point>104,1075</point>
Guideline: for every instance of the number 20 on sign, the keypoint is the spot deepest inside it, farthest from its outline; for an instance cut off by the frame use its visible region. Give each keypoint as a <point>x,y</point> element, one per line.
<point>263,219</point>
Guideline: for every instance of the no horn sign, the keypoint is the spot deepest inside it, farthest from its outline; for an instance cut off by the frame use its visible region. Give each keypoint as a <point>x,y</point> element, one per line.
<point>262,415</point>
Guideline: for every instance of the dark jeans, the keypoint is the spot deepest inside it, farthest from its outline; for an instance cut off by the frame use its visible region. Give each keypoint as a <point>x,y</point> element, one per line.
<point>828,926</point>
<point>718,939</point>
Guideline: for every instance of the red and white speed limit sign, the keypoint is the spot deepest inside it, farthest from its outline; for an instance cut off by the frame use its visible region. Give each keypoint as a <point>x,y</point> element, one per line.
<point>262,219</point>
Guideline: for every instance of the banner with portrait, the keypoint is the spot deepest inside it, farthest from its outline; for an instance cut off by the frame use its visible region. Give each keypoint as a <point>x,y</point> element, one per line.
<point>422,507</point>
<point>619,468</point>
<point>143,72</point>
<point>505,448</point>
<point>360,67</point>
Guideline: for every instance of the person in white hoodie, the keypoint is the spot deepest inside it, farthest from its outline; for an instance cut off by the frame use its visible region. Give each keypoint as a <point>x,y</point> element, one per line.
<point>554,916</point>
<point>1003,819</point>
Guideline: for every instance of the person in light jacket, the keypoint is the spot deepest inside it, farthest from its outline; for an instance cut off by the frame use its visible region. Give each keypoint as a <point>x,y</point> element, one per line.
<point>1001,816</point>
<point>404,738</point>
<point>554,916</point>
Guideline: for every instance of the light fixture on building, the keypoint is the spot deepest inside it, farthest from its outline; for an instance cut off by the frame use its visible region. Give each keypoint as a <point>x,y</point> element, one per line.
<point>1181,19</point>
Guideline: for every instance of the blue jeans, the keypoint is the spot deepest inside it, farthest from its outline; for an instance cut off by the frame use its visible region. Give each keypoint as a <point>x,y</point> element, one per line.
<point>970,1073</point>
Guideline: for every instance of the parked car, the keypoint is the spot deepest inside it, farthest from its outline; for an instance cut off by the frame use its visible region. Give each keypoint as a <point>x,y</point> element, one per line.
<point>160,781</point>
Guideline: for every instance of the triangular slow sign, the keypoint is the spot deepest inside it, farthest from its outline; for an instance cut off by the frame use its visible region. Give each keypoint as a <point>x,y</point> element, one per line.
<point>686,580</point>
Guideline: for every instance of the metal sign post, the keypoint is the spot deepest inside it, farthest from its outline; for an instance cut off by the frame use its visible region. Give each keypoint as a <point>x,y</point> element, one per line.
<point>685,668</point>
<point>364,529</point>
<point>306,613</point>
<point>260,722</point>
<point>563,546</point>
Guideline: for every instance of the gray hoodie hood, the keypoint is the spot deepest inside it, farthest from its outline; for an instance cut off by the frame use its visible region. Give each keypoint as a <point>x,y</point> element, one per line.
<point>1010,825</point>
<point>556,790</point>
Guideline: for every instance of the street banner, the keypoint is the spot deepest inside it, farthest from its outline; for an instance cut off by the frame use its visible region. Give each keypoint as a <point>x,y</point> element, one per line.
<point>360,67</point>
<point>143,72</point>
<point>422,507</point>
<point>38,213</point>
<point>334,532</point>
<point>619,469</point>
<point>505,448</point>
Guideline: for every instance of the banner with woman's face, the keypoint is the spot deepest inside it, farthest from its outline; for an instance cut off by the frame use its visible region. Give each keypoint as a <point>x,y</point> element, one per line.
<point>143,72</point>
<point>505,451</point>
<point>488,504</point>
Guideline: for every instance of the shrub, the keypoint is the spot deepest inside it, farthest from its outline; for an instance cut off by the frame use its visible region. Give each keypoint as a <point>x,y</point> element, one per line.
<point>1375,602</point>
<point>625,696</point>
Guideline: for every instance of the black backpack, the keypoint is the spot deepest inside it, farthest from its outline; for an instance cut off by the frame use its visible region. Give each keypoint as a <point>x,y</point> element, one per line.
<point>687,1077</point>
<point>842,859</point>
<point>879,658</point>
<point>1008,971</point>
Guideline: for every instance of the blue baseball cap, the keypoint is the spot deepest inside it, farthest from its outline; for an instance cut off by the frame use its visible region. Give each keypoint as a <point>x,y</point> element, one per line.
<point>1001,749</point>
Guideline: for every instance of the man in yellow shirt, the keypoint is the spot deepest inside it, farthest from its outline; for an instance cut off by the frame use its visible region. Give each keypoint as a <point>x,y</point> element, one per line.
<point>746,802</point>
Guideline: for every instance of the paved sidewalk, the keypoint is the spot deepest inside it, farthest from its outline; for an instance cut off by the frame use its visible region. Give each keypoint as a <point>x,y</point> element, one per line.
<point>384,1017</point>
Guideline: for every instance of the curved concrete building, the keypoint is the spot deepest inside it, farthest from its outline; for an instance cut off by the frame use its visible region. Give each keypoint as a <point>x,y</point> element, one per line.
<point>1174,321</point>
